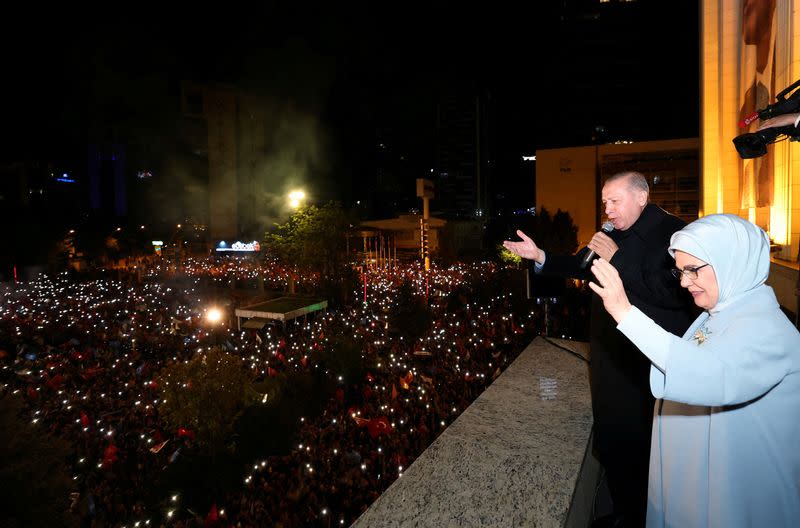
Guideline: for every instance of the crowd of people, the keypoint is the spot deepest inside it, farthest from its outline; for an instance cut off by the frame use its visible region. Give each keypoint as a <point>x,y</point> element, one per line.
<point>85,356</point>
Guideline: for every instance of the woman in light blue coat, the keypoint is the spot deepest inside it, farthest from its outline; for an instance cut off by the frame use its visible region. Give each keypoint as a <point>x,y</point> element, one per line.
<point>726,435</point>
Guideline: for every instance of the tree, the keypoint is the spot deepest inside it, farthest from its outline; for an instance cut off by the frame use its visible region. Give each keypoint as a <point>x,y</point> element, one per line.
<point>36,482</point>
<point>313,237</point>
<point>556,233</point>
<point>206,395</point>
<point>559,233</point>
<point>507,256</point>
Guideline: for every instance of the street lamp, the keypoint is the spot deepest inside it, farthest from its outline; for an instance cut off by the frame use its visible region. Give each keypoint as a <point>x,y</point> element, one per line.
<point>214,315</point>
<point>296,198</point>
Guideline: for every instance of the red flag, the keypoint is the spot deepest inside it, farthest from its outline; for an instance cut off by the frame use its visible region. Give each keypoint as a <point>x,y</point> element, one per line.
<point>188,433</point>
<point>156,448</point>
<point>91,373</point>
<point>55,382</point>
<point>394,392</point>
<point>361,422</point>
<point>379,426</point>
<point>304,361</point>
<point>109,456</point>
<point>406,380</point>
<point>212,516</point>
<point>272,372</point>
<point>84,419</point>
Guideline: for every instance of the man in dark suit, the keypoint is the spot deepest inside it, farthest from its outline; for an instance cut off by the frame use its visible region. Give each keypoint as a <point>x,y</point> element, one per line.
<point>622,403</point>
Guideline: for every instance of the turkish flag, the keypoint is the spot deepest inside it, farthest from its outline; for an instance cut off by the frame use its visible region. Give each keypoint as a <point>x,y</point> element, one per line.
<point>84,419</point>
<point>379,426</point>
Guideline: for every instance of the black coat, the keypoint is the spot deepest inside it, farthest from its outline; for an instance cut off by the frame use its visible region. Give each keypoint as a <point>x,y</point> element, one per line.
<point>620,379</point>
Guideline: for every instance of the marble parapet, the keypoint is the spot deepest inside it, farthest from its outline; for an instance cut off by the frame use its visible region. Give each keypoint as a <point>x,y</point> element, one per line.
<point>518,456</point>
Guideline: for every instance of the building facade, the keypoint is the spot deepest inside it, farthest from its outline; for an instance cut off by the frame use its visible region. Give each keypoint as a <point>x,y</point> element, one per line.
<point>750,51</point>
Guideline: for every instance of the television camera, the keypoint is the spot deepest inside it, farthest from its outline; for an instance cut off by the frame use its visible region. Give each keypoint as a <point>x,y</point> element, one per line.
<point>754,144</point>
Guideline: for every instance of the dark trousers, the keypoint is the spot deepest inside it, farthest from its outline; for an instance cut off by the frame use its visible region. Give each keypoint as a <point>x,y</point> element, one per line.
<point>622,405</point>
<point>624,452</point>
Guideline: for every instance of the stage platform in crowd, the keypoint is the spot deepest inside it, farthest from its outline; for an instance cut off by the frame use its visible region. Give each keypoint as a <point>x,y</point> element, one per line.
<point>520,455</point>
<point>281,309</point>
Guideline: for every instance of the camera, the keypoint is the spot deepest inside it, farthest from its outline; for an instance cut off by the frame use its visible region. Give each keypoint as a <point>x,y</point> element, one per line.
<point>754,144</point>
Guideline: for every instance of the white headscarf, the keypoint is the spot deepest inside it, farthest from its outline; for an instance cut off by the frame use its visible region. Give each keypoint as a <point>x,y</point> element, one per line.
<point>737,250</point>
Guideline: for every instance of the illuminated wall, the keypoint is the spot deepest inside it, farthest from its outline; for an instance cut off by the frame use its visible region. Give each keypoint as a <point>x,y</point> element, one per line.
<point>565,179</point>
<point>750,51</point>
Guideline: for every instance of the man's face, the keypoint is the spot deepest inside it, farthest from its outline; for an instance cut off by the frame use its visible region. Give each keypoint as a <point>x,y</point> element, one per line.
<point>623,204</point>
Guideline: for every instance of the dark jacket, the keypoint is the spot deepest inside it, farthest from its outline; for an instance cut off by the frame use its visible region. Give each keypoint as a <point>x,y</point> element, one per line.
<point>619,372</point>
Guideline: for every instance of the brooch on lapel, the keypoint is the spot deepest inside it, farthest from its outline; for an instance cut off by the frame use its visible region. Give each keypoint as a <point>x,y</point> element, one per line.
<point>701,335</point>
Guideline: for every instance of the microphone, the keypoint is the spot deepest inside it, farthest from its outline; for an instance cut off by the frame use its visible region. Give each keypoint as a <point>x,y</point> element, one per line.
<point>589,257</point>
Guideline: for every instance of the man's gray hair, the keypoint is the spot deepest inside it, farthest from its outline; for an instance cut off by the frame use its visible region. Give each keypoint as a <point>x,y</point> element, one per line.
<point>636,180</point>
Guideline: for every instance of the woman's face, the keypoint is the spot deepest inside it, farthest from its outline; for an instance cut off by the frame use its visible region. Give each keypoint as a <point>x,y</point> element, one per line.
<point>704,288</point>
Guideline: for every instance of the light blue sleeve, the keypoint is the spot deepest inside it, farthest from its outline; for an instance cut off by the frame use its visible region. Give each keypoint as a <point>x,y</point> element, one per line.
<point>733,365</point>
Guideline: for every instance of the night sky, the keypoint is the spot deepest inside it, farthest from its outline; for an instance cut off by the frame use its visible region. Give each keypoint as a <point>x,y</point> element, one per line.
<point>552,70</point>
